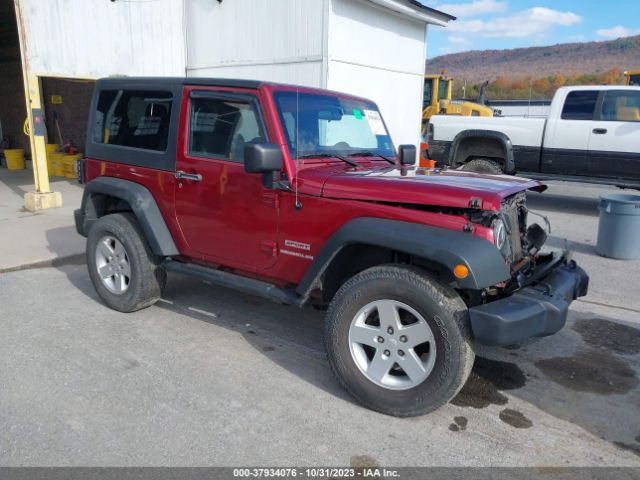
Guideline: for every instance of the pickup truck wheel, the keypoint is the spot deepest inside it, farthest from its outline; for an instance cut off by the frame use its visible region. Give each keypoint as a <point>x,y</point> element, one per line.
<point>482,165</point>
<point>123,270</point>
<point>398,340</point>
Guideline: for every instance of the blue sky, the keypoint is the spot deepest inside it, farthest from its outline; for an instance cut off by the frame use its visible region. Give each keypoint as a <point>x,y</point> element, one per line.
<point>501,24</point>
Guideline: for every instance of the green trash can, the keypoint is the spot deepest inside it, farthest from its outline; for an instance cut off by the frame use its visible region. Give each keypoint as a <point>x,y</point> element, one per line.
<point>619,226</point>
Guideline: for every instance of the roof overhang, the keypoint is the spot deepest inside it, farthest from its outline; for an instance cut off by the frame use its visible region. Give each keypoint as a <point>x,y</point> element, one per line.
<point>416,10</point>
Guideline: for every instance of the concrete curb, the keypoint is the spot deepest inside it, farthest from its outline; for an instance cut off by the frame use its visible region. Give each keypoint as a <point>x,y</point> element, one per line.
<point>76,259</point>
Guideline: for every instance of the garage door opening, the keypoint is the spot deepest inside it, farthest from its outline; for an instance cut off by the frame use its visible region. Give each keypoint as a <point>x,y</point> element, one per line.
<point>12,101</point>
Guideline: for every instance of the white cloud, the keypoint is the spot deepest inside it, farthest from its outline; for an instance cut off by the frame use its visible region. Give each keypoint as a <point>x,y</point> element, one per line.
<point>458,40</point>
<point>455,44</point>
<point>532,22</point>
<point>473,9</point>
<point>617,32</point>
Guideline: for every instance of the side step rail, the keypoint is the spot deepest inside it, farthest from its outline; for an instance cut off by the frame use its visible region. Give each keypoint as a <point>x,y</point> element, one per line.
<point>236,282</point>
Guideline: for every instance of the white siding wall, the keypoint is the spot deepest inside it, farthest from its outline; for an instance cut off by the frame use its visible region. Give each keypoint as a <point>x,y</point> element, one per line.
<point>378,54</point>
<point>96,38</point>
<point>394,93</point>
<point>352,46</point>
<point>275,40</point>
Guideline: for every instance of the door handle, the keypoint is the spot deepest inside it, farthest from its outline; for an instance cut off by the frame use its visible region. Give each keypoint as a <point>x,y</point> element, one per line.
<point>194,177</point>
<point>599,131</point>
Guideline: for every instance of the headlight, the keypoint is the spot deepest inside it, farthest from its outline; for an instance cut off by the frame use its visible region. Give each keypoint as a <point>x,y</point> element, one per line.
<point>499,234</point>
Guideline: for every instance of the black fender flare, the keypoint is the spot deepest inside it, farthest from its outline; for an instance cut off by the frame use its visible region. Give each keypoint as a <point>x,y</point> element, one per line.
<point>449,248</point>
<point>142,204</point>
<point>510,165</point>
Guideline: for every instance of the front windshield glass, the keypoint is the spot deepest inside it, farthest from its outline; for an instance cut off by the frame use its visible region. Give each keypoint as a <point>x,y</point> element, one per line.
<point>328,125</point>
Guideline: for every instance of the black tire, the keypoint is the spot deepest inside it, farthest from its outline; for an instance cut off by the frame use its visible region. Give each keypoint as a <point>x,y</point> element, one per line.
<point>446,315</point>
<point>147,277</point>
<point>483,165</point>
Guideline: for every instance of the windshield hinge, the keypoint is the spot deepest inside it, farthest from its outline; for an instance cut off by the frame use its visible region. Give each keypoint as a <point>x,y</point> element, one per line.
<point>475,202</point>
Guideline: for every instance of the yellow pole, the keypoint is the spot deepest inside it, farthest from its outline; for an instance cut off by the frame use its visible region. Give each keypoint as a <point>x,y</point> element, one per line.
<point>36,134</point>
<point>42,197</point>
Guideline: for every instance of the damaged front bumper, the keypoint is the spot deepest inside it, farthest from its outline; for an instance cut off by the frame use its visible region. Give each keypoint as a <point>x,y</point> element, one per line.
<point>537,309</point>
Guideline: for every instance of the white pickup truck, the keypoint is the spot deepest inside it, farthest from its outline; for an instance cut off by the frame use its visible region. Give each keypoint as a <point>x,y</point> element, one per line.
<point>592,134</point>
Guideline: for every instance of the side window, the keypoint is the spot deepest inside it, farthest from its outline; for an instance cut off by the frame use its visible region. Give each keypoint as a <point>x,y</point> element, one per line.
<point>580,105</point>
<point>443,86</point>
<point>138,119</point>
<point>621,106</point>
<point>220,128</point>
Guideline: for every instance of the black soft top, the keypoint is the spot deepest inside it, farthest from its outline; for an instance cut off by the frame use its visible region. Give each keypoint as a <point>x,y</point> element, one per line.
<point>130,83</point>
<point>162,160</point>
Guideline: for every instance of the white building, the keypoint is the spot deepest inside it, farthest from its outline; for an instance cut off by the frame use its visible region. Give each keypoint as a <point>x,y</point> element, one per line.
<point>371,48</point>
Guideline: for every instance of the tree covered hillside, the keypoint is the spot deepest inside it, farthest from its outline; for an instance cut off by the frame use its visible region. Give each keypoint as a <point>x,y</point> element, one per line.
<point>539,70</point>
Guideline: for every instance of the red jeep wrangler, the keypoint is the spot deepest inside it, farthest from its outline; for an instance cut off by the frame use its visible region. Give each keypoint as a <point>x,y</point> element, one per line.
<point>297,195</point>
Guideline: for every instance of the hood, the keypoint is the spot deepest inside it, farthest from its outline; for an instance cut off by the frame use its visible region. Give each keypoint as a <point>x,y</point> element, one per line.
<point>416,185</point>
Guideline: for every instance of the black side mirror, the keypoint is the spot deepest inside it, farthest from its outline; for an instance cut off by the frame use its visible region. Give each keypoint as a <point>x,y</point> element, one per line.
<point>262,158</point>
<point>407,154</point>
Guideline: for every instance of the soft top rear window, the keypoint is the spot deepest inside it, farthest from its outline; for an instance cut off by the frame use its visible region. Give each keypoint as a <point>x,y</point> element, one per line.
<point>133,118</point>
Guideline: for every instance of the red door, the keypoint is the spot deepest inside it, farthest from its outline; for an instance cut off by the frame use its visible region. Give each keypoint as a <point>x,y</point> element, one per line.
<point>225,214</point>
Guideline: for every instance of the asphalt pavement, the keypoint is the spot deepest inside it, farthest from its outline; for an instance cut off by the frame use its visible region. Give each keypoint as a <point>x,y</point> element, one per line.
<point>212,377</point>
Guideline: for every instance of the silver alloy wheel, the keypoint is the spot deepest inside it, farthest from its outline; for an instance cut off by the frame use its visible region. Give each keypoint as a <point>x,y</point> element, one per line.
<point>392,344</point>
<point>112,263</point>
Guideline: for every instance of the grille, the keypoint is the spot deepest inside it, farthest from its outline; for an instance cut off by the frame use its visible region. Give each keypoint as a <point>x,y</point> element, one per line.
<point>515,216</point>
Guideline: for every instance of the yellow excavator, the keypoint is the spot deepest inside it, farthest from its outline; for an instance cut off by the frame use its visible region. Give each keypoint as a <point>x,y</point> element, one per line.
<point>632,77</point>
<point>437,100</point>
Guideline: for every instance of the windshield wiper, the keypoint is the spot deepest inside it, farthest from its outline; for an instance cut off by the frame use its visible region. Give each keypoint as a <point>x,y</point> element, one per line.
<point>331,155</point>
<point>372,154</point>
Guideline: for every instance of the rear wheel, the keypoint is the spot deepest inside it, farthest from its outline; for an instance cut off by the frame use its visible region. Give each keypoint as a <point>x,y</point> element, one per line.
<point>398,340</point>
<point>123,270</point>
<point>483,165</point>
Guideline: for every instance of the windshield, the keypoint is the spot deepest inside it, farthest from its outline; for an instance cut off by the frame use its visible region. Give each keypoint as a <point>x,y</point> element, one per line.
<point>634,80</point>
<point>324,124</point>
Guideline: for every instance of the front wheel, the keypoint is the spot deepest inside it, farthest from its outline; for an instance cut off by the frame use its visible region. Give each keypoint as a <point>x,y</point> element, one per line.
<point>398,340</point>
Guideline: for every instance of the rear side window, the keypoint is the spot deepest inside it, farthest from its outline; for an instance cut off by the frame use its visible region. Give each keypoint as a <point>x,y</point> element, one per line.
<point>621,106</point>
<point>137,119</point>
<point>220,128</point>
<point>580,105</point>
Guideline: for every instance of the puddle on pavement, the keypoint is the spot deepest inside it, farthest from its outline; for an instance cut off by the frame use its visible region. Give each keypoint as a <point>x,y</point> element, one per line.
<point>486,379</point>
<point>130,363</point>
<point>590,370</point>
<point>600,333</point>
<point>515,418</point>
<point>460,423</point>
<point>364,461</point>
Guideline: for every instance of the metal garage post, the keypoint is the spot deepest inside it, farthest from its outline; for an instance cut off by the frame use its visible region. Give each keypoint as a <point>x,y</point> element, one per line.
<point>42,197</point>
